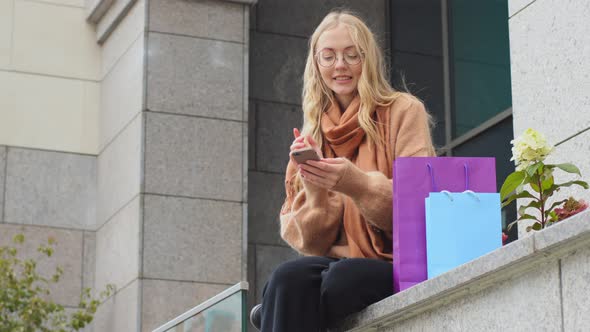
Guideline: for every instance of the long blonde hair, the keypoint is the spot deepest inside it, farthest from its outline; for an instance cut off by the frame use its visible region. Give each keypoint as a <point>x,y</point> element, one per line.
<point>373,87</point>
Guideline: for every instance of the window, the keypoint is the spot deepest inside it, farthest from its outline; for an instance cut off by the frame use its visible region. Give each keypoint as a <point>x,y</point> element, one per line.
<point>455,56</point>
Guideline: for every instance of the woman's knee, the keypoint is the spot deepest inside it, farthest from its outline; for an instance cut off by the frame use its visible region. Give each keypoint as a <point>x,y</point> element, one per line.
<point>350,285</point>
<point>303,272</point>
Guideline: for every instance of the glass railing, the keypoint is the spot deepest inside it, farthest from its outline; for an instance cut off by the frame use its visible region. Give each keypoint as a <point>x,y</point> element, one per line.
<point>225,312</point>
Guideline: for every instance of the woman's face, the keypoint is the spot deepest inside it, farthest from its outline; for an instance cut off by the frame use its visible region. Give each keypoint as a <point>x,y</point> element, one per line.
<point>342,78</point>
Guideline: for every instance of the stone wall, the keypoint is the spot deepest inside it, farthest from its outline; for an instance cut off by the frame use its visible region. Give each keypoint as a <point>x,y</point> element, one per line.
<point>550,82</point>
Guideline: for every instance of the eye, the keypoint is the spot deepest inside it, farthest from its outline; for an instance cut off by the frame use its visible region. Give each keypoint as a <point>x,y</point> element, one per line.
<point>327,55</point>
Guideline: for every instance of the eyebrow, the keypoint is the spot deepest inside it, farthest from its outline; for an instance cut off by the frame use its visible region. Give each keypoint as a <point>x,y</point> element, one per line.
<point>332,49</point>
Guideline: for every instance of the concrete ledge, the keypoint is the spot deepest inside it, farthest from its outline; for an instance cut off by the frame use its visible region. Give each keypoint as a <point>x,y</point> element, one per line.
<point>95,9</point>
<point>508,262</point>
<point>106,15</point>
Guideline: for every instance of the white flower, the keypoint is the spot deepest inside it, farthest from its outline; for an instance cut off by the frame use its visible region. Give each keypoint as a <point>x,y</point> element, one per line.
<point>529,148</point>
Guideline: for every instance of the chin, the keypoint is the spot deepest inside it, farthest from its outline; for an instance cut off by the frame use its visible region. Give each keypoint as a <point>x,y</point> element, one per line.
<point>344,92</point>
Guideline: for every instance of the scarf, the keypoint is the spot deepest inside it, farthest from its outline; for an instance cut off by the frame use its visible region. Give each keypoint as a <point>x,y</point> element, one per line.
<point>343,137</point>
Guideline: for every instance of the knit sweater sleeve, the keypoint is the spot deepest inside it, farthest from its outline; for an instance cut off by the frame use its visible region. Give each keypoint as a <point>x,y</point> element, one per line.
<point>311,219</point>
<point>373,191</point>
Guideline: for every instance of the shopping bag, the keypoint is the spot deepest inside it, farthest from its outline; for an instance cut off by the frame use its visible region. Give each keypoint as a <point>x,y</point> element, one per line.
<point>412,183</point>
<point>460,227</point>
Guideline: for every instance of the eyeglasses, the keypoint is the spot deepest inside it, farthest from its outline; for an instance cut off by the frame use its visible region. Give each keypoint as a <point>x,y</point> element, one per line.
<point>327,58</point>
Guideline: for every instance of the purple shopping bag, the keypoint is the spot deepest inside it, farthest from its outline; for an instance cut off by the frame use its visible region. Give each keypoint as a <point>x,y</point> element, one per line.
<point>413,179</point>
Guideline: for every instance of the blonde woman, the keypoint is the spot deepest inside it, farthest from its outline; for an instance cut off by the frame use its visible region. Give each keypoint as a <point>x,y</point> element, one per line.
<point>338,210</point>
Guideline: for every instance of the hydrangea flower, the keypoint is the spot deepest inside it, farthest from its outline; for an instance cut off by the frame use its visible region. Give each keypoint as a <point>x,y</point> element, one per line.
<point>529,148</point>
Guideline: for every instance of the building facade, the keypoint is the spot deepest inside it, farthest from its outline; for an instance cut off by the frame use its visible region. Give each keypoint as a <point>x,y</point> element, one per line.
<point>150,137</point>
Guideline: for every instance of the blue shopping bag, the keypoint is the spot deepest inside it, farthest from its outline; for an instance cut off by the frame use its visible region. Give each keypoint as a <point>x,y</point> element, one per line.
<point>460,227</point>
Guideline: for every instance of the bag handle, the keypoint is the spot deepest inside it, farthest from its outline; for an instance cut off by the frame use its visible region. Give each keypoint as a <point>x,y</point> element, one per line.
<point>431,171</point>
<point>468,192</point>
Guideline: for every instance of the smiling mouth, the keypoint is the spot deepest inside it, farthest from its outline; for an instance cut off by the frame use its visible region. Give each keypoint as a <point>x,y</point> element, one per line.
<point>342,78</point>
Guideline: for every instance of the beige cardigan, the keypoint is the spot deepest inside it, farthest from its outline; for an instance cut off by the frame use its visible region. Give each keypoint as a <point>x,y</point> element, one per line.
<point>313,225</point>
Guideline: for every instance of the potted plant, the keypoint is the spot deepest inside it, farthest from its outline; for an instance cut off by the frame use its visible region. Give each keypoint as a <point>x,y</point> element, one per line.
<point>534,180</point>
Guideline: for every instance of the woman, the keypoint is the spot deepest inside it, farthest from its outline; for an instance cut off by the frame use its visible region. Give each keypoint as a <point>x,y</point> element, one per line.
<point>338,210</point>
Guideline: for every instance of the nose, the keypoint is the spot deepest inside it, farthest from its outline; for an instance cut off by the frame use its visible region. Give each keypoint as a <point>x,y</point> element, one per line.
<point>340,63</point>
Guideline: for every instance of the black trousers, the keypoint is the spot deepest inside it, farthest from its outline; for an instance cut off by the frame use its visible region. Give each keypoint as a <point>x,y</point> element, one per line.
<point>310,294</point>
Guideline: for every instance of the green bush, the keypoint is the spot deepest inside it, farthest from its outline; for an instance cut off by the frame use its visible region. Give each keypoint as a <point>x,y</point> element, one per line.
<point>24,304</point>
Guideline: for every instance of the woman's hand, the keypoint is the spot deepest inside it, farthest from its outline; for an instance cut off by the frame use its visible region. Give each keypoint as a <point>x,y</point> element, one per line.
<point>325,173</point>
<point>301,142</point>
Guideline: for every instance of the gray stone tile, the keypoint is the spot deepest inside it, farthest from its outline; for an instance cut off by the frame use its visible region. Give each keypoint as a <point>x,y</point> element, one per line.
<point>118,246</point>
<point>210,19</point>
<point>577,226</point>
<point>193,157</point>
<point>266,196</point>
<point>251,276</point>
<point>164,300</point>
<point>516,5</point>
<point>192,239</point>
<point>300,18</point>
<point>543,96</point>
<point>67,255</point>
<point>195,76</point>
<point>2,180</point>
<point>89,259</point>
<point>119,169</point>
<point>415,28</point>
<point>121,93</point>
<point>267,259</point>
<point>121,311</point>
<point>252,12</point>
<point>50,188</point>
<point>507,306</point>
<point>575,270</point>
<point>245,155</point>
<point>251,135</point>
<point>276,67</point>
<point>274,135</point>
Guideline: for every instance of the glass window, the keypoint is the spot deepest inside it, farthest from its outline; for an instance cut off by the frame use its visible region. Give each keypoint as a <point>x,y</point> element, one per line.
<point>479,62</point>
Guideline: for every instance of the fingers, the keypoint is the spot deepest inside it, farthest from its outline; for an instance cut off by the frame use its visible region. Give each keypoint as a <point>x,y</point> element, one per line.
<point>315,180</point>
<point>297,146</point>
<point>296,132</point>
<point>327,168</point>
<point>314,170</point>
<point>333,161</point>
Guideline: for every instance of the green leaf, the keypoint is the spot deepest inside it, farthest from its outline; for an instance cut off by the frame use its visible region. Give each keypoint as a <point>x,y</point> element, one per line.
<point>523,194</point>
<point>532,204</point>
<point>546,184</point>
<point>19,238</point>
<point>511,183</point>
<point>535,186</point>
<point>537,226</point>
<point>531,170</point>
<point>509,226</point>
<point>527,216</point>
<point>551,215</point>
<point>571,183</point>
<point>570,168</point>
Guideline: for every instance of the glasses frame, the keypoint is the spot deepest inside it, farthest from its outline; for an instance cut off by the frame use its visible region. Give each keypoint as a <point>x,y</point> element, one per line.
<point>317,58</point>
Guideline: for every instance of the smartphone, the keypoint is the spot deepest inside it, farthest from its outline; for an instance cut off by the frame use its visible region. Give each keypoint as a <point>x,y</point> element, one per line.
<point>305,154</point>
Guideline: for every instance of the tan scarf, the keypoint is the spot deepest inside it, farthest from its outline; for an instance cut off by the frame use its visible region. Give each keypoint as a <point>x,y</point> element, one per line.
<point>343,137</point>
